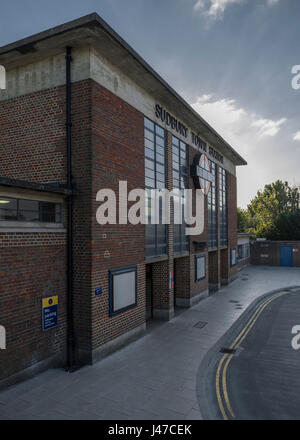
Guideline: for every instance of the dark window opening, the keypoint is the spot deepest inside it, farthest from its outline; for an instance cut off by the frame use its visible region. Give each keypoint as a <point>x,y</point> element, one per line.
<point>25,210</point>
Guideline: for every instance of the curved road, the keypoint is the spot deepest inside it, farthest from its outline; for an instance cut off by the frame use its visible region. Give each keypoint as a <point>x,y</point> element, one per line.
<point>260,378</point>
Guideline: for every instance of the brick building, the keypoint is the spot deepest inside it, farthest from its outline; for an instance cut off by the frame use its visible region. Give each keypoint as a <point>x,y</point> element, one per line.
<point>275,253</point>
<point>83,111</point>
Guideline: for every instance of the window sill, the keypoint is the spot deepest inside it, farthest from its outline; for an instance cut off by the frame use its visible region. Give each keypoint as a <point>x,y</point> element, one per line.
<point>149,260</point>
<point>181,254</point>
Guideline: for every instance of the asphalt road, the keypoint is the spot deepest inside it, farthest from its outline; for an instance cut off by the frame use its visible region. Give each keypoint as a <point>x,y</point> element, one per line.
<point>261,379</point>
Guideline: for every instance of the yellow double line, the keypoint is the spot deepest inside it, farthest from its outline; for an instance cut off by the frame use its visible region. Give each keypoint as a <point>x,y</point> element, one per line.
<point>225,360</point>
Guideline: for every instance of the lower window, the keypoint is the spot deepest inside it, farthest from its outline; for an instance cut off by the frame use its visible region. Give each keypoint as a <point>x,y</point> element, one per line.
<point>200,267</point>
<point>122,289</point>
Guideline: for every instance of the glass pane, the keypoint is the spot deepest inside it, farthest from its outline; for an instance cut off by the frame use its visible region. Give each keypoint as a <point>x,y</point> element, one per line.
<point>7,214</point>
<point>150,234</point>
<point>47,211</point>
<point>149,164</point>
<point>58,213</point>
<point>150,182</point>
<point>29,216</point>
<point>160,168</point>
<point>161,234</point>
<point>160,150</point>
<point>160,141</point>
<point>149,153</point>
<point>160,158</point>
<point>149,135</point>
<point>149,173</point>
<point>29,205</point>
<point>149,124</point>
<point>8,203</point>
<point>149,144</point>
<point>160,131</point>
<point>175,141</point>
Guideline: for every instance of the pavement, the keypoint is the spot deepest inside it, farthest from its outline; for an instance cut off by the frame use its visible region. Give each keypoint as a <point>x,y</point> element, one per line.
<point>155,377</point>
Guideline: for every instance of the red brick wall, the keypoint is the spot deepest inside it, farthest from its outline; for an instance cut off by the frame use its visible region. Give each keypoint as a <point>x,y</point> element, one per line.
<point>267,253</point>
<point>33,127</point>
<point>32,136</point>
<point>82,218</point>
<point>31,268</point>
<point>118,154</point>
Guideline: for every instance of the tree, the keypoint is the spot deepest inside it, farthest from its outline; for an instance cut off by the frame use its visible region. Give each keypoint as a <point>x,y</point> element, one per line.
<point>273,211</point>
<point>286,227</point>
<point>246,222</point>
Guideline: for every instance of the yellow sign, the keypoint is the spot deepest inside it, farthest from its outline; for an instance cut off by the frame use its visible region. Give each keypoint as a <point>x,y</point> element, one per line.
<point>51,301</point>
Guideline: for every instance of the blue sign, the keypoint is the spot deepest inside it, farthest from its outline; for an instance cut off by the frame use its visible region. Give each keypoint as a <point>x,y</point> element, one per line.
<point>49,312</point>
<point>98,291</point>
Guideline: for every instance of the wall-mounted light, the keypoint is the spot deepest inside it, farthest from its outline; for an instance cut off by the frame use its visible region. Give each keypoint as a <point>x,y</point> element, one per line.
<point>4,201</point>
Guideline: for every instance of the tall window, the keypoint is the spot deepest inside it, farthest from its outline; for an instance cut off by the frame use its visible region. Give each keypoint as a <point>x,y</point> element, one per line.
<point>212,209</point>
<point>155,178</point>
<point>223,206</point>
<point>180,181</point>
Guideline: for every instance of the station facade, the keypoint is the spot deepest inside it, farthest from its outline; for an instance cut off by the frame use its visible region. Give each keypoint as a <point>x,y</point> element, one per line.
<point>83,111</point>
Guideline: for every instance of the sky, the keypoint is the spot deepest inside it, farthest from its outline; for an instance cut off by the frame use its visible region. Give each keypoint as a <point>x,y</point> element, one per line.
<point>231,60</point>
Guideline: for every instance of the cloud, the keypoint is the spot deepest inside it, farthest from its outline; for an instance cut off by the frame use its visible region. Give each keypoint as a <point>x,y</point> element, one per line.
<point>230,119</point>
<point>215,9</point>
<point>267,127</point>
<point>257,138</point>
<point>296,136</point>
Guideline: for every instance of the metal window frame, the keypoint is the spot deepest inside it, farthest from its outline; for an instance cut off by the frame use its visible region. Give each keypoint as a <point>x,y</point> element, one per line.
<point>212,234</point>
<point>156,247</point>
<point>223,210</point>
<point>182,244</point>
<point>39,202</point>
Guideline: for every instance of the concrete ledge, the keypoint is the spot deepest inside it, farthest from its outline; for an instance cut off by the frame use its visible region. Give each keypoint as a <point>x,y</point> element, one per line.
<point>163,314</point>
<point>117,343</point>
<point>56,361</point>
<point>190,302</point>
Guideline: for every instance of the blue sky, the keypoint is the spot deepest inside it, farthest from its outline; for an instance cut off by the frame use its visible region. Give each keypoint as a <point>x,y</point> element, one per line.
<point>230,59</point>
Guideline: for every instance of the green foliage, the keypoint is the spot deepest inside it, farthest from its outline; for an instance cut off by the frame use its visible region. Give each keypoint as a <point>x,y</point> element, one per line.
<point>273,213</point>
<point>246,222</point>
<point>286,227</point>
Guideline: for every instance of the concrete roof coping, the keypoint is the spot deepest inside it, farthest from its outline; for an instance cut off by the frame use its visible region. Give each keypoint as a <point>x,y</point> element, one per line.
<point>69,34</point>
